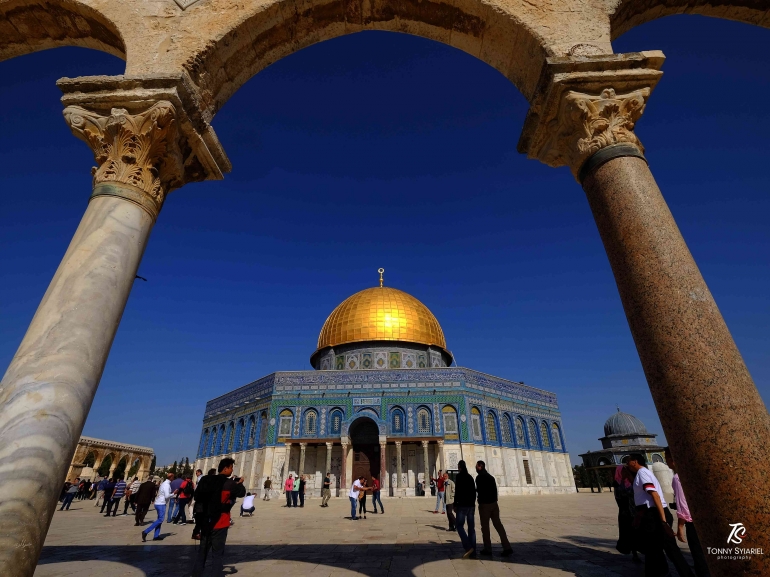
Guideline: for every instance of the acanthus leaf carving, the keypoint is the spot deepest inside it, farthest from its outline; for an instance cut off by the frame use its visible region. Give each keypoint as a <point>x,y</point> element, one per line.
<point>140,150</point>
<point>587,123</point>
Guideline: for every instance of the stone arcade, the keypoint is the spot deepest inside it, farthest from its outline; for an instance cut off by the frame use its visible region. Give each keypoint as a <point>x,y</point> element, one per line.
<point>151,133</point>
<point>91,453</point>
<point>384,402</point>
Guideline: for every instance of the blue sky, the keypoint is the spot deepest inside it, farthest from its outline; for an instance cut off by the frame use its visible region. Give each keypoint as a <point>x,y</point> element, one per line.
<point>385,150</point>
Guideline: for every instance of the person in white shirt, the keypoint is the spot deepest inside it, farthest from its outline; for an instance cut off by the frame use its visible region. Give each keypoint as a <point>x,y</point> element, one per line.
<point>248,505</point>
<point>653,521</point>
<point>164,494</point>
<point>358,486</point>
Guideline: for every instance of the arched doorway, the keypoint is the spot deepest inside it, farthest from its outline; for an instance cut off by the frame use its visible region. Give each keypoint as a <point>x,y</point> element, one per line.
<point>364,435</point>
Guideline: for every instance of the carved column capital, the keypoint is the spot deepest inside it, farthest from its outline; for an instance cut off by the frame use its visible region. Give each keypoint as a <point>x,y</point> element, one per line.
<point>398,443</point>
<point>440,442</point>
<point>424,443</point>
<point>585,105</point>
<point>137,155</point>
<point>586,123</point>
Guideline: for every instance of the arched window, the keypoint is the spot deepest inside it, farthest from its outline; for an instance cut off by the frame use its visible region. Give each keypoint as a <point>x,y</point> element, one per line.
<point>230,437</point>
<point>656,458</point>
<point>423,422</point>
<point>220,440</point>
<point>241,435</point>
<point>544,435</point>
<point>505,429</point>
<point>311,417</point>
<point>252,430</point>
<point>204,443</point>
<point>491,428</point>
<point>335,422</point>
<point>555,433</point>
<point>398,421</point>
<point>532,434</point>
<point>212,449</point>
<point>262,429</point>
<point>450,420</point>
<point>520,441</point>
<point>476,423</point>
<point>284,426</point>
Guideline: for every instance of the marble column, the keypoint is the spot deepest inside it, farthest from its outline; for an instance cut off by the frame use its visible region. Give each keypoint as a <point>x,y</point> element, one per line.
<point>383,467</point>
<point>426,466</point>
<point>328,458</point>
<point>710,409</point>
<point>399,482</point>
<point>440,449</point>
<point>47,391</point>
<point>288,460</point>
<point>302,447</point>
<point>343,472</point>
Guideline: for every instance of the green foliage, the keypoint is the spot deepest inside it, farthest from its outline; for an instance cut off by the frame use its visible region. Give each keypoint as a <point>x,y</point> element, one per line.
<point>104,468</point>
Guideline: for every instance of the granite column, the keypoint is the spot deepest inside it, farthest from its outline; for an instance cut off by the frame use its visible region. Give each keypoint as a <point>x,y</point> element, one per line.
<point>399,482</point>
<point>713,417</point>
<point>426,467</point>
<point>343,472</point>
<point>48,388</point>
<point>383,465</point>
<point>301,468</point>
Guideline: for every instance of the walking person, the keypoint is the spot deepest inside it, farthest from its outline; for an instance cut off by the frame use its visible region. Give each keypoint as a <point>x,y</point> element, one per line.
<point>295,491</point>
<point>109,489</point>
<point>161,500</point>
<point>287,488</point>
<point>302,484</point>
<point>376,495</point>
<point>69,495</point>
<point>218,493</point>
<point>117,494</point>
<point>248,505</point>
<point>486,489</point>
<point>100,491</point>
<point>184,496</point>
<point>684,521</point>
<point>357,487</point>
<point>449,497</point>
<point>144,497</point>
<point>623,491</point>
<point>465,508</point>
<point>173,504</point>
<point>362,498</point>
<point>439,482</point>
<point>326,492</point>
<point>268,484</point>
<point>654,522</point>
<point>198,475</point>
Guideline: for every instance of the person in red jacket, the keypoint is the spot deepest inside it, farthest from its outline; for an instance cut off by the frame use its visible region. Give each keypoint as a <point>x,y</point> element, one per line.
<point>218,494</point>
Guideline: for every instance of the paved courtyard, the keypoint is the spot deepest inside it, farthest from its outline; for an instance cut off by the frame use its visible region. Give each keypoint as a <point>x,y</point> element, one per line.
<point>553,535</point>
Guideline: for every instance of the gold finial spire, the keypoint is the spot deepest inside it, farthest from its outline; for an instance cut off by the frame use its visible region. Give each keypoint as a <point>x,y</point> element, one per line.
<point>380,270</point>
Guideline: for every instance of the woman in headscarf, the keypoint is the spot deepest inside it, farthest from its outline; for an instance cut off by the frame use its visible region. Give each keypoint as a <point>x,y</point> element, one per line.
<point>624,497</point>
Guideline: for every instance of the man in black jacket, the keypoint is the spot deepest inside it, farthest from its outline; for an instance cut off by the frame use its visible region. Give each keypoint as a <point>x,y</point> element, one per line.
<point>486,486</point>
<point>465,509</point>
<point>217,494</point>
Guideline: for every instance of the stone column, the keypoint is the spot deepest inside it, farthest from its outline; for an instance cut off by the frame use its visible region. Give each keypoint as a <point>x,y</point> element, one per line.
<point>426,466</point>
<point>399,482</point>
<point>343,472</point>
<point>328,458</point>
<point>383,467</point>
<point>288,460</point>
<point>48,388</point>
<point>440,444</point>
<point>302,447</point>
<point>710,410</point>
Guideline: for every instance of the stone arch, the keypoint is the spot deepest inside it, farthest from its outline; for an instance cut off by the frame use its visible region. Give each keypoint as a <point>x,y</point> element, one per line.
<point>491,426</point>
<point>398,420</point>
<point>500,34</point>
<point>629,14</point>
<point>31,25</point>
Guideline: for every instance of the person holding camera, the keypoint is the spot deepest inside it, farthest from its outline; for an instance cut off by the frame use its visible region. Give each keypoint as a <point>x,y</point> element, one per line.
<point>217,494</point>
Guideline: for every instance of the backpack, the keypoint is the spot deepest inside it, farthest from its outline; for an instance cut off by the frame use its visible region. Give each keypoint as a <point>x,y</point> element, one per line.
<point>186,492</point>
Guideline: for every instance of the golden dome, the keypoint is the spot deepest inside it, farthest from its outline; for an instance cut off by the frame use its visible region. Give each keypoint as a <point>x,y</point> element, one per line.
<point>381,314</point>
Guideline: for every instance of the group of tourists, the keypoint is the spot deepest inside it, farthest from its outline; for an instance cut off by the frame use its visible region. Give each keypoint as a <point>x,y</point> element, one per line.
<point>645,521</point>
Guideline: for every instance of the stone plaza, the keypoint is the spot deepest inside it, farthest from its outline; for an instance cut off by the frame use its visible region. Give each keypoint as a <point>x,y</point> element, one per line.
<point>151,132</point>
<point>551,535</point>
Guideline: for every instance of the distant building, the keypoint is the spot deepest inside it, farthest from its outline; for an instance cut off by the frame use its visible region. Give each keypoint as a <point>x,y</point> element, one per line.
<point>624,434</point>
<point>384,401</point>
<point>91,453</point>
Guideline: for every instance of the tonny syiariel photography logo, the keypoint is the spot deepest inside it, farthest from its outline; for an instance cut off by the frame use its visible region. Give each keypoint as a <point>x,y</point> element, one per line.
<point>737,534</point>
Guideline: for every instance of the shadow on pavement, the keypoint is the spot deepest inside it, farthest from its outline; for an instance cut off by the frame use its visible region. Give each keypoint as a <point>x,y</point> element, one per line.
<point>581,556</point>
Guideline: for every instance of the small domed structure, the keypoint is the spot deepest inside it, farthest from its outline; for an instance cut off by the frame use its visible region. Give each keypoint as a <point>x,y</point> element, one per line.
<point>624,424</point>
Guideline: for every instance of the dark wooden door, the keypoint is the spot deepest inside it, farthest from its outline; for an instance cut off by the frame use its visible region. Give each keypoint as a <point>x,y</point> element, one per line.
<point>366,462</point>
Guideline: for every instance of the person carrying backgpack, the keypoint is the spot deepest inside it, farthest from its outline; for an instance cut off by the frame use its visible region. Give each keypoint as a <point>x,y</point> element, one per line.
<point>217,495</point>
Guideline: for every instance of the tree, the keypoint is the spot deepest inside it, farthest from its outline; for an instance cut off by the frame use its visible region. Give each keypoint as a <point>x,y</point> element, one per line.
<point>187,468</point>
<point>173,468</point>
<point>104,468</point>
<point>152,465</point>
<point>582,476</point>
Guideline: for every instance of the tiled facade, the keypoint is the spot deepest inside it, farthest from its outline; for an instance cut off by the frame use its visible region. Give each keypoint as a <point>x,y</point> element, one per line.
<point>285,419</point>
